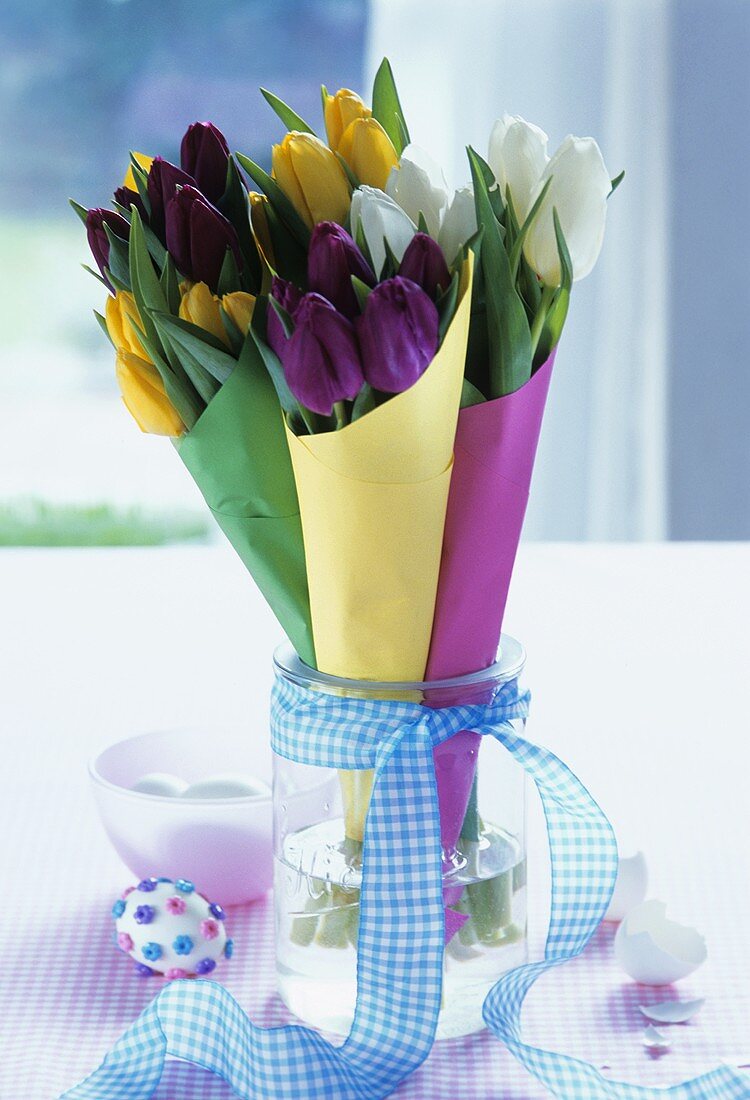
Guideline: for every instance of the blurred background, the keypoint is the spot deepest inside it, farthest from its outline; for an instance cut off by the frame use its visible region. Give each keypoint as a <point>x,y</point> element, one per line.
<point>646,436</point>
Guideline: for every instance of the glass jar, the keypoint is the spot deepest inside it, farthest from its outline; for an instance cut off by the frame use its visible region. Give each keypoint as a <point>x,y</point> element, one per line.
<point>318,867</point>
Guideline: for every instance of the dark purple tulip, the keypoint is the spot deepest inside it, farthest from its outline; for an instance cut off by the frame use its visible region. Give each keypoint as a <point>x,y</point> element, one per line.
<point>198,236</point>
<point>288,296</point>
<point>98,242</point>
<point>204,155</point>
<point>163,180</point>
<point>332,259</point>
<point>398,335</point>
<point>424,263</point>
<point>127,198</point>
<point>321,360</point>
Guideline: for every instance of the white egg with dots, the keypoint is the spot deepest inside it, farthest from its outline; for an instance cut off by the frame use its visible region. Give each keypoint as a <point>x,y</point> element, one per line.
<point>168,928</point>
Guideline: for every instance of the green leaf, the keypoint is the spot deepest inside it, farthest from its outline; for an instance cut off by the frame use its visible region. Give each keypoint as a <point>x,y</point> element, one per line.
<point>365,401</point>
<point>566,264</point>
<point>289,257</point>
<point>520,236</point>
<point>96,274</point>
<point>234,205</point>
<point>447,306</point>
<point>493,190</point>
<point>81,211</point>
<point>141,184</point>
<point>616,182</point>
<point>290,118</point>
<point>509,337</point>
<point>361,242</point>
<point>386,107</point>
<point>287,400</point>
<point>284,316</point>
<point>354,182</point>
<point>205,348</point>
<point>283,206</point>
<point>391,263</point>
<point>156,249</point>
<point>229,276</point>
<point>362,291</point>
<point>422,224</point>
<point>118,257</point>
<point>103,326</point>
<point>235,337</point>
<point>470,395</point>
<point>170,285</point>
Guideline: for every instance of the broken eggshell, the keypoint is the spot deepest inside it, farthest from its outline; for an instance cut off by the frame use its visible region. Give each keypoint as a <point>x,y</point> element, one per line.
<point>654,950</point>
<point>654,1039</point>
<point>630,887</point>
<point>672,1012</point>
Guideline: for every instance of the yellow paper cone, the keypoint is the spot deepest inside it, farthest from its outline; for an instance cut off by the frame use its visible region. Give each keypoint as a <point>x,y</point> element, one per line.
<point>373,498</point>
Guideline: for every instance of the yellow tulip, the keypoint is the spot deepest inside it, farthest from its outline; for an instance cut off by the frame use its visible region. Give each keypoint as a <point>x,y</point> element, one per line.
<point>340,111</point>
<point>239,307</point>
<point>199,306</point>
<point>145,163</point>
<point>312,178</point>
<point>121,315</point>
<point>144,396</point>
<point>368,151</point>
<point>202,308</point>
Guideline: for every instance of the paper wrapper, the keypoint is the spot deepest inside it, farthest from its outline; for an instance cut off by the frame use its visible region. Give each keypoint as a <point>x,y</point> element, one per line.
<point>496,444</point>
<point>237,454</point>
<point>373,499</point>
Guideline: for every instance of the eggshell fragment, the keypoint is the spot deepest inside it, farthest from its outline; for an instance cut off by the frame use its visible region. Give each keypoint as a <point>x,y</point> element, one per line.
<point>630,887</point>
<point>229,785</point>
<point>160,783</point>
<point>654,950</point>
<point>672,1012</point>
<point>655,1040</point>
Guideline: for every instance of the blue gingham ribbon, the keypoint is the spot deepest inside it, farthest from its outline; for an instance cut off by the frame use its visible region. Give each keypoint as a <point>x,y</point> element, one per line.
<point>401,931</point>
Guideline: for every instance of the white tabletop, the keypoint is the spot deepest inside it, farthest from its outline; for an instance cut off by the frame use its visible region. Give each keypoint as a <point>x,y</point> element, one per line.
<point>638,661</point>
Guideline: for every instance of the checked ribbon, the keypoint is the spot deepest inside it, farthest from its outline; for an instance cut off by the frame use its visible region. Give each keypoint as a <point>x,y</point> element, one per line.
<point>401,932</point>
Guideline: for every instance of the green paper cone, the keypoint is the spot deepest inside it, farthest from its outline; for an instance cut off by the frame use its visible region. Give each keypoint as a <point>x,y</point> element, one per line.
<point>238,456</point>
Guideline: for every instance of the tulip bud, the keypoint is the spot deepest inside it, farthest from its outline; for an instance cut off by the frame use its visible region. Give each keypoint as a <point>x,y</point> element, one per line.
<point>199,306</point>
<point>163,181</point>
<point>332,259</point>
<point>128,199</point>
<point>459,223</point>
<point>368,151</point>
<point>321,359</point>
<point>288,296</point>
<point>340,111</point>
<point>398,335</point>
<point>239,308</point>
<point>144,396</point>
<point>424,264</point>
<point>578,191</point>
<point>418,185</point>
<point>517,155</point>
<point>381,219</point>
<point>97,237</point>
<point>259,223</point>
<point>122,317</point>
<point>198,237</point>
<point>312,178</point>
<point>204,155</point>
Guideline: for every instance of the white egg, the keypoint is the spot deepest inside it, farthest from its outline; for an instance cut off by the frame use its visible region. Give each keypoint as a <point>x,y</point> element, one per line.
<point>169,928</point>
<point>630,887</point>
<point>654,950</point>
<point>228,785</point>
<point>160,783</point>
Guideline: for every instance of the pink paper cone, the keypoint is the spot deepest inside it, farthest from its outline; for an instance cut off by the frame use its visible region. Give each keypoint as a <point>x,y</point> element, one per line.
<point>495,448</point>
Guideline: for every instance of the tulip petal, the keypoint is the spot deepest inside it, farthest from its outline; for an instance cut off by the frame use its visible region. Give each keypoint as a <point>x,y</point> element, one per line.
<point>518,157</point>
<point>144,396</point>
<point>398,335</point>
<point>459,223</point>
<point>381,219</point>
<point>368,151</point>
<point>418,185</point>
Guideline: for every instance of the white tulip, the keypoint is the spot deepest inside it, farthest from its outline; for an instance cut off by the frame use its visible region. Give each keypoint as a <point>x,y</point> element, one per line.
<point>578,191</point>
<point>419,186</point>
<point>518,156</point>
<point>459,223</point>
<point>381,219</point>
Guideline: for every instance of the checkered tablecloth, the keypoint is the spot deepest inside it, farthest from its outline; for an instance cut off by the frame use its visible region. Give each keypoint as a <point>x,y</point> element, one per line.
<point>67,994</point>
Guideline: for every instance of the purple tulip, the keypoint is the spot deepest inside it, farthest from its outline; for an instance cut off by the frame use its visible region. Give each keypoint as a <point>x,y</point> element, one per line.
<point>321,359</point>
<point>288,296</point>
<point>424,263</point>
<point>398,335</point>
<point>127,199</point>
<point>163,180</point>
<point>198,237</point>
<point>204,155</point>
<point>332,259</point>
<point>98,241</point>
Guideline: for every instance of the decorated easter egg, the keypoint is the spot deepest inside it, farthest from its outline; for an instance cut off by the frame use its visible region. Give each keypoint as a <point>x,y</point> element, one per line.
<point>168,928</point>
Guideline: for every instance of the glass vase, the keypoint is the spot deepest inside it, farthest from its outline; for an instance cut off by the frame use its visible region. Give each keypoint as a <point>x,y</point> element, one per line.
<point>318,863</point>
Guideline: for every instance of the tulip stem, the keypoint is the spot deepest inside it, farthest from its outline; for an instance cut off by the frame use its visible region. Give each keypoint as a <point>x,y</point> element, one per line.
<point>339,411</point>
<point>548,293</point>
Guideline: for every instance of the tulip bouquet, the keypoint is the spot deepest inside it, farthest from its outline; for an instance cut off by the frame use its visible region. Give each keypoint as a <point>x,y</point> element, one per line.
<point>353,362</point>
